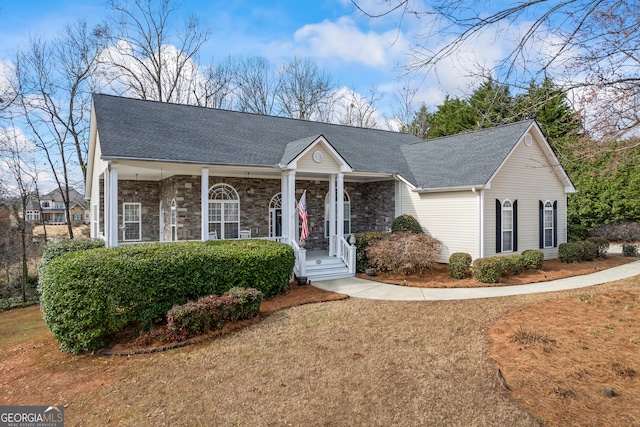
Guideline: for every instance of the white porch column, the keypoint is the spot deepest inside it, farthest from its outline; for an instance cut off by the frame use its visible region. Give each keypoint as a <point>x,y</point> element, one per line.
<point>204,204</point>
<point>332,216</point>
<point>291,205</point>
<point>111,202</point>
<point>105,209</point>
<point>284,200</point>
<point>340,209</point>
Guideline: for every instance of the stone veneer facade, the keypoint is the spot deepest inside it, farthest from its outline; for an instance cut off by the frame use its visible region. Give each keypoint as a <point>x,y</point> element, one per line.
<point>372,205</point>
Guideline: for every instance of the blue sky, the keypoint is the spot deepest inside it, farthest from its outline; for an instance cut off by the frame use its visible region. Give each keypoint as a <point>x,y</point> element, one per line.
<point>356,51</point>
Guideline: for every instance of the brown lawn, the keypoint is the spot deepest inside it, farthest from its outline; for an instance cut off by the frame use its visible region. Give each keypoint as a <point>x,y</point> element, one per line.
<point>357,362</point>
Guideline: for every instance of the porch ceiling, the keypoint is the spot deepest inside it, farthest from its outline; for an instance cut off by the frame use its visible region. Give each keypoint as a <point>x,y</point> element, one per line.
<point>146,171</point>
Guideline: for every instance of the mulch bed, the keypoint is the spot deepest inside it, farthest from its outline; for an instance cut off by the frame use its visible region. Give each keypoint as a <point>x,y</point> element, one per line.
<point>439,277</point>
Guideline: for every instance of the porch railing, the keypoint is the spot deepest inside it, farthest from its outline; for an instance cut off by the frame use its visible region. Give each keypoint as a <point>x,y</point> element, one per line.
<point>301,259</point>
<point>348,254</point>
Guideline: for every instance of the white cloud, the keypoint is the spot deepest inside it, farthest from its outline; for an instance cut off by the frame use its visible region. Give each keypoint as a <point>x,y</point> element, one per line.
<point>344,40</point>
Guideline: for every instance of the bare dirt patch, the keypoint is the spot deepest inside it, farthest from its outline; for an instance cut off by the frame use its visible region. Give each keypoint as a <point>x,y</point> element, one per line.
<point>574,361</point>
<point>439,277</point>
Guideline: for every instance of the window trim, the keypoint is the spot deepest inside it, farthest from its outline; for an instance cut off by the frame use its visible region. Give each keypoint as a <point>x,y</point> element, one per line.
<point>507,210</point>
<point>125,222</point>
<point>229,197</point>
<point>174,221</point>
<point>548,209</point>
<point>347,215</point>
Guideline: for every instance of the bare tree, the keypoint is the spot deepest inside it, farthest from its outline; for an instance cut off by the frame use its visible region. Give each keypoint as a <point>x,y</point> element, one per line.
<point>304,90</point>
<point>214,87</point>
<point>148,56</point>
<point>54,101</point>
<point>591,47</point>
<point>355,109</point>
<point>14,153</point>
<point>256,85</point>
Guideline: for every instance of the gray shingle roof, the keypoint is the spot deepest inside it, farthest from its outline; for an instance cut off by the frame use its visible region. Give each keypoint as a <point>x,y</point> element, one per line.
<point>150,130</point>
<point>462,160</point>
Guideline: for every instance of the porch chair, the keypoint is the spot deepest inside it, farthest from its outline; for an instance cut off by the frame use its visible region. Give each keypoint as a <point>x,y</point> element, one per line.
<point>213,235</point>
<point>245,234</point>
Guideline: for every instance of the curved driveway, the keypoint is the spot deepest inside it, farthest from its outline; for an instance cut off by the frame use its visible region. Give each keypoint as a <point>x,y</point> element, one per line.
<point>361,288</point>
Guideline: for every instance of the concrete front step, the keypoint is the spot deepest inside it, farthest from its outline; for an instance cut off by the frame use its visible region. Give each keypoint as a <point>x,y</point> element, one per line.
<point>326,268</point>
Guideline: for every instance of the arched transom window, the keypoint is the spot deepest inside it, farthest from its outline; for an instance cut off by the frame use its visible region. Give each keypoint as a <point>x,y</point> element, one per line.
<point>275,216</point>
<point>224,211</point>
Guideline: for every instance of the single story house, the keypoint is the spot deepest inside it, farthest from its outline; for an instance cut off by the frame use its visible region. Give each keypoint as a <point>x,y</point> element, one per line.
<point>168,172</point>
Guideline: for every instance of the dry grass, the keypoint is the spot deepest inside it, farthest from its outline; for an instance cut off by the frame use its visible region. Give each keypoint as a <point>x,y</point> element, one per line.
<point>349,362</point>
<point>558,358</point>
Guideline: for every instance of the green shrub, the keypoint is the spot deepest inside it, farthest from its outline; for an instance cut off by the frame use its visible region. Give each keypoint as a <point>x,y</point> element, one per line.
<point>511,265</point>
<point>577,251</point>
<point>404,253</point>
<point>212,312</point>
<point>487,270</point>
<point>54,250</point>
<point>588,250</point>
<point>459,264</point>
<point>569,252</point>
<point>363,240</point>
<point>532,259</point>
<point>405,223</point>
<point>602,245</point>
<point>89,295</point>
<point>629,250</point>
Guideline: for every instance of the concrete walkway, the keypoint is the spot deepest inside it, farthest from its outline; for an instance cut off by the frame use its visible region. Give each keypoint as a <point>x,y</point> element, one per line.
<point>361,288</point>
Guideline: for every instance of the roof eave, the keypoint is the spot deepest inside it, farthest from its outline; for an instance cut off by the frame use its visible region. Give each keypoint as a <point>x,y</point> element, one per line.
<point>473,188</point>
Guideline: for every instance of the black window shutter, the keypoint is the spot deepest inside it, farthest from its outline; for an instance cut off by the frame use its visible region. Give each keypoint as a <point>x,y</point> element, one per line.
<point>555,224</point>
<point>498,226</point>
<point>515,226</point>
<point>541,224</point>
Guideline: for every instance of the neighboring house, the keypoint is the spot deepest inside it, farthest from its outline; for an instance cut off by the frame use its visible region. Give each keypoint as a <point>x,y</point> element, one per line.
<point>165,172</point>
<point>50,209</point>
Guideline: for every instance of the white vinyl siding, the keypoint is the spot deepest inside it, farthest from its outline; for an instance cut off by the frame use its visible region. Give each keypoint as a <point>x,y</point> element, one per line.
<point>327,165</point>
<point>451,217</point>
<point>528,177</point>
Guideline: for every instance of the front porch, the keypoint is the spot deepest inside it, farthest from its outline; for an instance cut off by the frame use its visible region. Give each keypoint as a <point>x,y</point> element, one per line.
<point>138,205</point>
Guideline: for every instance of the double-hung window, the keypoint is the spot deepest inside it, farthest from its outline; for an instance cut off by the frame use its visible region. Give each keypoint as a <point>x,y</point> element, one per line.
<point>548,224</point>
<point>507,226</point>
<point>132,221</point>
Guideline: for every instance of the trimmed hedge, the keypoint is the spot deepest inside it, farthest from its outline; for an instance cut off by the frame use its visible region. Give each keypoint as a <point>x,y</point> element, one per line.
<point>56,249</point>
<point>602,245</point>
<point>577,251</point>
<point>629,250</point>
<point>511,265</point>
<point>459,263</point>
<point>487,270</point>
<point>532,259</point>
<point>212,312</point>
<point>362,242</point>
<point>408,223</point>
<point>89,295</point>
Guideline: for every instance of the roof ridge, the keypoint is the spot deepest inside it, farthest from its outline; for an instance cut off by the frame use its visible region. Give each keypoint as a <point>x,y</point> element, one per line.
<point>468,132</point>
<point>245,113</point>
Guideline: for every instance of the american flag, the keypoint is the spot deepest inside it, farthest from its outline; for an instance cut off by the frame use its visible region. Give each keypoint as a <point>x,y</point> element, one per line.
<point>304,217</point>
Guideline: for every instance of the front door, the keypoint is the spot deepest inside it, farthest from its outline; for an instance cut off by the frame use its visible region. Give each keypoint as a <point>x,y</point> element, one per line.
<point>276,222</point>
